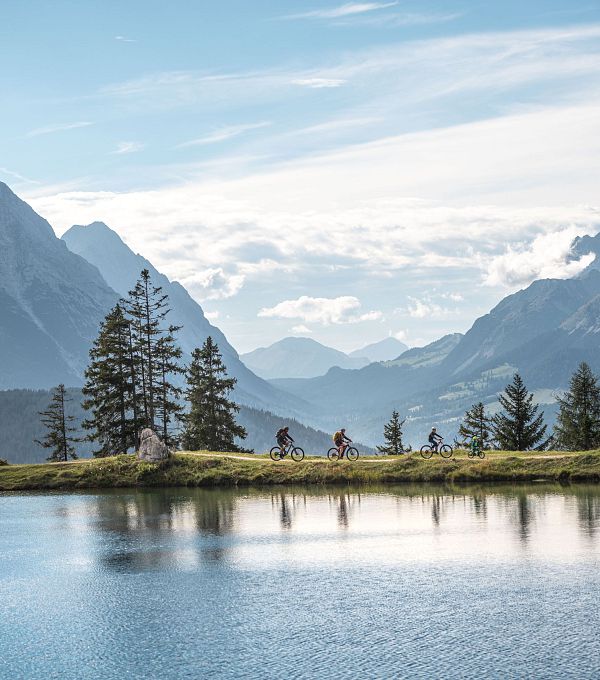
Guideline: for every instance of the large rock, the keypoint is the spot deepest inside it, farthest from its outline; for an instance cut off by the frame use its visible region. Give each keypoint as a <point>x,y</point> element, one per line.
<point>152,448</point>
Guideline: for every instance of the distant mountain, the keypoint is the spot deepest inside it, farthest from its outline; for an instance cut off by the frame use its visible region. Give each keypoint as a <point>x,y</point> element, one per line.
<point>298,358</point>
<point>384,350</point>
<point>543,332</point>
<point>51,301</point>
<point>429,355</point>
<point>121,267</point>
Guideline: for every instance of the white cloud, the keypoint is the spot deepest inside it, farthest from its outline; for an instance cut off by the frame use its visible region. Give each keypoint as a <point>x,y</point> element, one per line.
<point>122,38</point>
<point>301,329</point>
<point>128,147</point>
<point>345,10</point>
<point>223,133</point>
<point>326,311</point>
<point>61,127</point>
<point>425,308</point>
<point>212,316</point>
<point>455,297</point>
<point>213,284</point>
<point>319,83</point>
<point>546,257</point>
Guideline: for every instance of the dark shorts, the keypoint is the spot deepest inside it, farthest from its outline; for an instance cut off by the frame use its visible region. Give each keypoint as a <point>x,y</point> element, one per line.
<point>281,443</point>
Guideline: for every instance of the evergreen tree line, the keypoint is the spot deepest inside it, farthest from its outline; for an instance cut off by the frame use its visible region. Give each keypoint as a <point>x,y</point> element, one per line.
<point>131,384</point>
<point>520,426</point>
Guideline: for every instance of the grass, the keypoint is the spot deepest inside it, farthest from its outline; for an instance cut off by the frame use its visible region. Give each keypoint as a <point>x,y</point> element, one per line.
<point>213,469</point>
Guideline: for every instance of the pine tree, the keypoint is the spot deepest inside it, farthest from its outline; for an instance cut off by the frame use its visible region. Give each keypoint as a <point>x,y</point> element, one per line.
<point>155,353</point>
<point>110,387</point>
<point>578,421</point>
<point>168,406</point>
<point>58,424</point>
<point>519,427</point>
<point>476,422</point>
<point>392,433</point>
<point>210,423</point>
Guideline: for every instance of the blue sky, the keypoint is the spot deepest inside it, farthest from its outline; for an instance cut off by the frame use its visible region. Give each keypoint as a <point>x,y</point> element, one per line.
<point>341,170</point>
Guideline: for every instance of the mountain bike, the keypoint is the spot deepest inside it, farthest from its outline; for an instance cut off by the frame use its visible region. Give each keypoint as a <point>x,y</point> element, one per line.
<point>475,450</point>
<point>278,452</point>
<point>351,453</point>
<point>445,450</point>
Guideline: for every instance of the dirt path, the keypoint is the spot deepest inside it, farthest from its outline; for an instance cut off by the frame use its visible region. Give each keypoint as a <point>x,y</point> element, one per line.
<point>381,460</point>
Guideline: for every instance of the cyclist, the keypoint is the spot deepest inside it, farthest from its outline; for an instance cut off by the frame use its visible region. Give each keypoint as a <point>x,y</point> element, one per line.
<point>475,446</point>
<point>341,441</point>
<point>435,439</point>
<point>283,438</point>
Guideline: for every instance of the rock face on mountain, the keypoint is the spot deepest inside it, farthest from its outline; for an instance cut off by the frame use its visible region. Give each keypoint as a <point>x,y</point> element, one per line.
<point>298,358</point>
<point>121,267</point>
<point>51,301</point>
<point>520,318</point>
<point>384,350</point>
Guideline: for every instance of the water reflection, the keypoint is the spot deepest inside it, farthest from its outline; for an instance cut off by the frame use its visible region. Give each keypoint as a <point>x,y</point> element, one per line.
<point>289,582</point>
<point>181,529</point>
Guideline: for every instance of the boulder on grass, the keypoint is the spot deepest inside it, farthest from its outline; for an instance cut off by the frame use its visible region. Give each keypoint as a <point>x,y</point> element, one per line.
<point>152,448</point>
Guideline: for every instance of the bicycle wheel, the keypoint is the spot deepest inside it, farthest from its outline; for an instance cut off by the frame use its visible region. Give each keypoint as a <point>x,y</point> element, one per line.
<point>481,454</point>
<point>470,453</point>
<point>275,453</point>
<point>446,451</point>
<point>297,454</point>
<point>352,453</point>
<point>333,454</point>
<point>426,451</point>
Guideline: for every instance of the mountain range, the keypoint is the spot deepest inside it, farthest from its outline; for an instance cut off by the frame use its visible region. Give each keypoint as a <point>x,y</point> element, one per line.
<point>120,267</point>
<point>54,293</point>
<point>299,357</point>
<point>543,332</point>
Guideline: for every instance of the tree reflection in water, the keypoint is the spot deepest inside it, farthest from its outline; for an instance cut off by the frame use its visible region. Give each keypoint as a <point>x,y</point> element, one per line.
<point>144,526</point>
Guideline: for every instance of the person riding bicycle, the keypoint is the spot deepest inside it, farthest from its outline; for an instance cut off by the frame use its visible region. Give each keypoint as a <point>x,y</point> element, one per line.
<point>283,437</point>
<point>435,439</point>
<point>341,441</point>
<point>475,445</point>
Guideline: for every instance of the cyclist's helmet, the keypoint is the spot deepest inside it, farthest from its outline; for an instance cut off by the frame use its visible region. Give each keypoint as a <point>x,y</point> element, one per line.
<point>433,429</point>
<point>343,430</point>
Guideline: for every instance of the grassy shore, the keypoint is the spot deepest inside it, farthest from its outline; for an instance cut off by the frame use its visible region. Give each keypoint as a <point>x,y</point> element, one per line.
<point>206,469</point>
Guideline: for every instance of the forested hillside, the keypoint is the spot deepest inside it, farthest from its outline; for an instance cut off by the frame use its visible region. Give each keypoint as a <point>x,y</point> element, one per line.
<point>20,426</point>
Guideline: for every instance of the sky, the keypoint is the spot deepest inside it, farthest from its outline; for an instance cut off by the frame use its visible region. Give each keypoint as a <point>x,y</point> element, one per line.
<point>344,171</point>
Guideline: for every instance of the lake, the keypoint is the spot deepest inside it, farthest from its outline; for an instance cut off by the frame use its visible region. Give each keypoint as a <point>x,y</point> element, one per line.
<point>410,581</point>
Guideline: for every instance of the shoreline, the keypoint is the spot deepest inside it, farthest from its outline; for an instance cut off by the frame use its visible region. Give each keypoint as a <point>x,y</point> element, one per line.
<point>205,469</point>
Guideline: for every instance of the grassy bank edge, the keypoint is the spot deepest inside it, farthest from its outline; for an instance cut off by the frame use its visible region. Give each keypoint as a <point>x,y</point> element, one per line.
<point>213,470</point>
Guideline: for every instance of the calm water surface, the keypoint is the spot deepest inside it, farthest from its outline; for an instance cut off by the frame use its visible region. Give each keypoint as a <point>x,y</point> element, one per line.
<point>415,582</point>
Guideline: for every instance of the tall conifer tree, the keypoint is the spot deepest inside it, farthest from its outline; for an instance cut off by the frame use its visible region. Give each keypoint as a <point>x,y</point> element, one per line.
<point>210,423</point>
<point>392,433</point>
<point>59,437</point>
<point>476,422</point>
<point>578,422</point>
<point>109,390</point>
<point>519,427</point>
<point>168,407</point>
<point>148,307</point>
